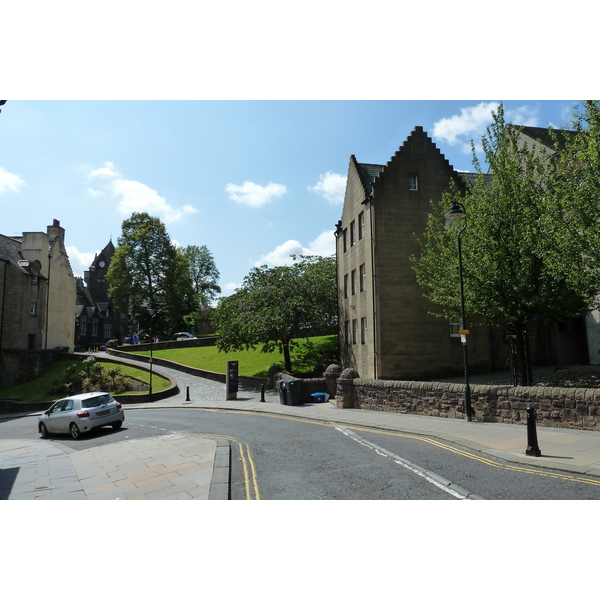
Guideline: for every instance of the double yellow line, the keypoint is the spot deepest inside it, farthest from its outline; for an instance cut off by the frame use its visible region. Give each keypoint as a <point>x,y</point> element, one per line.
<point>483,459</point>
<point>250,479</point>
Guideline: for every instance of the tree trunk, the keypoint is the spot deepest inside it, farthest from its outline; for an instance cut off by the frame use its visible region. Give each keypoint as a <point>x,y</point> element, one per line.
<point>287,359</point>
<point>524,372</point>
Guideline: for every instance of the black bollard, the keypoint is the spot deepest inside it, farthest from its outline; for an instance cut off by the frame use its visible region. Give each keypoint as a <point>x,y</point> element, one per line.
<point>262,393</point>
<point>532,443</point>
<point>187,394</point>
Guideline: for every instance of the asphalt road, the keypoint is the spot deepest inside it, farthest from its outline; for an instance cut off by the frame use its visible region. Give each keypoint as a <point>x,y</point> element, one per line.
<point>289,458</point>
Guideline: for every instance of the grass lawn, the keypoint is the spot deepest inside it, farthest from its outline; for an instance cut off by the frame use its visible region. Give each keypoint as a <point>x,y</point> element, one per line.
<point>252,363</point>
<point>36,390</point>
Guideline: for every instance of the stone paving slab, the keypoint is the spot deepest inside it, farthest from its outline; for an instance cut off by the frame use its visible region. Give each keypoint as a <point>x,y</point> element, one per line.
<point>159,468</point>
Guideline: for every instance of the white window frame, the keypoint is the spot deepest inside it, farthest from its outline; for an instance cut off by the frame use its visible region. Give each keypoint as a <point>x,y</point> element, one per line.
<point>413,183</point>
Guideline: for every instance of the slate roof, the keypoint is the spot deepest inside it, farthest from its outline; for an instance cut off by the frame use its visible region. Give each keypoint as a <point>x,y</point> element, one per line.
<point>541,134</point>
<point>368,173</point>
<point>470,178</point>
<point>9,249</point>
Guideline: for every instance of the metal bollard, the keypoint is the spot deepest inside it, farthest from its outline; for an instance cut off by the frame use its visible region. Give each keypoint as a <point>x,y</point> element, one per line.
<point>187,394</point>
<point>262,393</point>
<point>532,443</point>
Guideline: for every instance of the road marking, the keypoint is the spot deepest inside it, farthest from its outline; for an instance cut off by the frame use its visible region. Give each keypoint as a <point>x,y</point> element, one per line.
<point>429,476</point>
<point>422,438</point>
<point>250,477</point>
<point>487,461</point>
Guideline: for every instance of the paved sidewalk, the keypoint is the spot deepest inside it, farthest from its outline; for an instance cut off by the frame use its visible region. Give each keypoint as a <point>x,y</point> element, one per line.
<point>197,467</point>
<point>172,467</point>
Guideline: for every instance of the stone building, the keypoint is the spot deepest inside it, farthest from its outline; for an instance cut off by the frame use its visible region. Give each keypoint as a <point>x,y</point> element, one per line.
<point>97,319</point>
<point>386,331</point>
<point>37,300</point>
<point>37,296</point>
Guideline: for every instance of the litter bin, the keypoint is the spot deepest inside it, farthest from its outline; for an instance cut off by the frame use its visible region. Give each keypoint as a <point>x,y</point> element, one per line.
<point>290,391</point>
<point>282,391</point>
<point>294,391</point>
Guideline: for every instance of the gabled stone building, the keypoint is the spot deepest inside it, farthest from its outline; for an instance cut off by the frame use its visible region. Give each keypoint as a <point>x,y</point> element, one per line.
<point>385,329</point>
<point>37,293</point>
<point>37,301</point>
<point>97,320</point>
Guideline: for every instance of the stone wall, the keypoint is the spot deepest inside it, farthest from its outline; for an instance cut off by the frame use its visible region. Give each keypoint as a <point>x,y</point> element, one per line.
<point>19,366</point>
<point>252,382</point>
<point>575,408</point>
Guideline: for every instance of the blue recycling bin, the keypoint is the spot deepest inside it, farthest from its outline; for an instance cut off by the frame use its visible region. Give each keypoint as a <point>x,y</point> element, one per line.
<point>319,397</point>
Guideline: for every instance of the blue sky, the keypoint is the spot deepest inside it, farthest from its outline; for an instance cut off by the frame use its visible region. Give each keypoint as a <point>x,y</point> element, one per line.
<point>254,181</point>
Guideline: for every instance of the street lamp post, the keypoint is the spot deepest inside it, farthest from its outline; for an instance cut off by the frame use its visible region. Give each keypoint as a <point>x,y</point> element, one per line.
<point>152,312</point>
<point>457,213</point>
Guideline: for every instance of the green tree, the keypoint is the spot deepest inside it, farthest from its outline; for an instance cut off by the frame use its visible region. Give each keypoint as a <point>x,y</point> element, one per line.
<point>146,272</point>
<point>574,218</point>
<point>275,306</point>
<point>509,278</point>
<point>204,274</point>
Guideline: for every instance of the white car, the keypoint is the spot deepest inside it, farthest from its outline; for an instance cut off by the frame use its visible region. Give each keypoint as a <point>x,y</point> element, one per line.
<point>81,413</point>
<point>184,335</point>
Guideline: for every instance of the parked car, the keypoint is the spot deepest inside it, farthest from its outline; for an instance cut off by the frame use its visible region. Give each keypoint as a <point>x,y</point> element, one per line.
<point>81,413</point>
<point>184,335</point>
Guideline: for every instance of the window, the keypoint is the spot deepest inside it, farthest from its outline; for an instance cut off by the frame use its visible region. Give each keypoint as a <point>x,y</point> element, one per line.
<point>363,330</point>
<point>454,329</point>
<point>361,225</point>
<point>107,330</point>
<point>354,282</point>
<point>347,332</point>
<point>345,239</point>
<point>35,274</point>
<point>413,184</point>
<point>33,309</point>
<point>354,331</point>
<point>345,286</point>
<point>353,233</point>
<point>363,278</point>
<point>94,327</point>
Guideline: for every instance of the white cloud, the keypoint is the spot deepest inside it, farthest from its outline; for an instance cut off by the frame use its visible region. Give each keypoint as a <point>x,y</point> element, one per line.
<point>332,186</point>
<point>95,193</point>
<point>523,115</point>
<point>80,261</point>
<point>323,245</point>
<point>254,195</point>
<point>471,123</point>
<point>9,182</point>
<point>108,170</point>
<point>134,196</point>
<point>231,287</point>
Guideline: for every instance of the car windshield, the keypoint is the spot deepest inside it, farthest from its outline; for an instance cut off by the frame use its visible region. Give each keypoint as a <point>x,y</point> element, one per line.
<point>97,401</point>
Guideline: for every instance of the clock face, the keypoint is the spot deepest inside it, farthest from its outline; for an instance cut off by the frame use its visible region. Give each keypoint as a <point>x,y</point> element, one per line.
<point>102,264</point>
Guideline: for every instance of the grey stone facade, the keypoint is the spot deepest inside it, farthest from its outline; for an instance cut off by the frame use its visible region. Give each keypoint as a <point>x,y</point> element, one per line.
<point>386,331</point>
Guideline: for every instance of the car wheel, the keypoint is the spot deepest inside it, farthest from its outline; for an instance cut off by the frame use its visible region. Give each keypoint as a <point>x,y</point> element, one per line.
<point>74,431</point>
<point>117,424</point>
<point>43,430</point>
